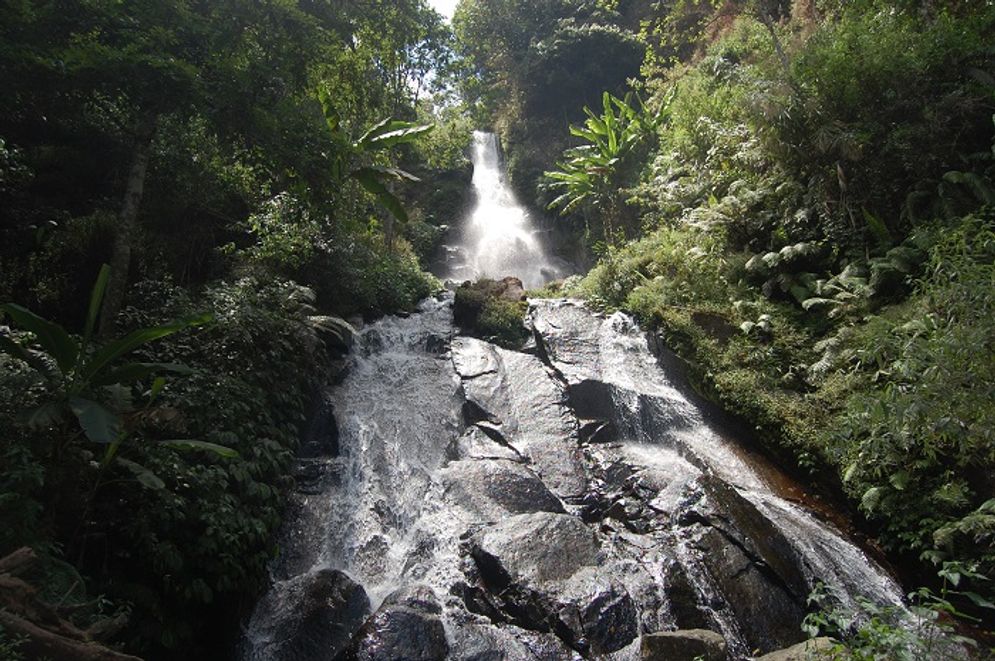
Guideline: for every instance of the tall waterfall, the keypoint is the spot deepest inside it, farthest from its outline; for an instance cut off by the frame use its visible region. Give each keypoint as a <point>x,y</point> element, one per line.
<point>498,237</point>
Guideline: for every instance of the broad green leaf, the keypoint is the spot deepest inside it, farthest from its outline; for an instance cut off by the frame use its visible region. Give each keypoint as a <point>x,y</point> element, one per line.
<point>52,337</point>
<point>397,136</point>
<point>96,297</point>
<point>135,339</point>
<point>184,444</point>
<point>147,478</point>
<point>99,424</point>
<point>131,372</point>
<point>370,180</point>
<point>978,600</point>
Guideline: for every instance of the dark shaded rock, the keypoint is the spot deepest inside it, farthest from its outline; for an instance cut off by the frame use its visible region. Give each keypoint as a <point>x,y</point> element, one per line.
<point>768,615</point>
<point>406,627</point>
<point>321,436</point>
<point>496,487</point>
<point>541,570</point>
<point>600,610</point>
<point>597,431</point>
<point>683,645</point>
<point>337,334</point>
<point>683,600</point>
<point>313,616</point>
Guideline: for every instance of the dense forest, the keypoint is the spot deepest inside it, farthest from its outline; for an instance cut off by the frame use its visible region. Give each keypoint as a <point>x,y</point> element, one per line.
<point>195,196</point>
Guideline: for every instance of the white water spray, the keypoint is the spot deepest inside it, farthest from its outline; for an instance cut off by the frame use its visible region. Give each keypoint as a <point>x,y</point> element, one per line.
<point>498,237</point>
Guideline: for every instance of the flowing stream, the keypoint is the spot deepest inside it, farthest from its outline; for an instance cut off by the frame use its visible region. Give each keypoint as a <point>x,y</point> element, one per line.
<point>498,236</point>
<point>456,500</point>
<point>553,503</point>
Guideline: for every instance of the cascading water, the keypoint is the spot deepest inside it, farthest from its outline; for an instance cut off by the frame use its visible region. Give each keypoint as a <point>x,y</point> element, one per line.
<point>498,237</point>
<point>552,504</point>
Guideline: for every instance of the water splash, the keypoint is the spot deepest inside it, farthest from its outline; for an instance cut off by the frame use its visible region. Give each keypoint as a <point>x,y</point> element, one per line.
<point>498,237</point>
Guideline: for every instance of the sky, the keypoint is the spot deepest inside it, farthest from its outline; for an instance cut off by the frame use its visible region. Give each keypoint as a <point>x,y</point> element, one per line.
<point>444,7</point>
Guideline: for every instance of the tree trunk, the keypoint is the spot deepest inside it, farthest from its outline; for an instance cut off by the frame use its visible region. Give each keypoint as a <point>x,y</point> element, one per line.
<point>127,220</point>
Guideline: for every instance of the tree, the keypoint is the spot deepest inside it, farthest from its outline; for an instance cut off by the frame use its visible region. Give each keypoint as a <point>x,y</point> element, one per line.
<point>591,175</point>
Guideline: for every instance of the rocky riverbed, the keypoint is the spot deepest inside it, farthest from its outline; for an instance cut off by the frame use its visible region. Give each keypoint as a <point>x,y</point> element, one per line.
<point>566,501</point>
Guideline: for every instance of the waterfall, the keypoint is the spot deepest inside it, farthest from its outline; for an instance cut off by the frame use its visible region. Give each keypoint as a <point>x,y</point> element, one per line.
<point>498,237</point>
<point>553,504</point>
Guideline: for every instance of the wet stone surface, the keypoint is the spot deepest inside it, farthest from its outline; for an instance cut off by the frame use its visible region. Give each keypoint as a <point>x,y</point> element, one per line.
<point>564,502</point>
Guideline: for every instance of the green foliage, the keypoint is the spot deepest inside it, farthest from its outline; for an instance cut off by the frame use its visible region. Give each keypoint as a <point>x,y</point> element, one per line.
<point>83,379</point>
<point>825,271</point>
<point>925,630</point>
<point>591,175</point>
<point>482,309</point>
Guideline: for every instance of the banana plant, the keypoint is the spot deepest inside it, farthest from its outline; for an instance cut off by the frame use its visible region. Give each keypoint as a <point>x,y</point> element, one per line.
<point>84,378</point>
<point>589,174</point>
<point>381,136</point>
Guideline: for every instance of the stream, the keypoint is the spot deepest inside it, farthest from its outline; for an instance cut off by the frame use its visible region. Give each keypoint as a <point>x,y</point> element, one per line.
<point>551,503</point>
<point>457,500</point>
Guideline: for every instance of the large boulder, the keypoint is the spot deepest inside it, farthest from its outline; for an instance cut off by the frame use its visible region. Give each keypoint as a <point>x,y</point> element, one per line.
<point>311,616</point>
<point>337,334</point>
<point>756,568</point>
<point>543,572</point>
<point>683,645</point>
<point>494,488</point>
<point>492,309</point>
<point>526,406</point>
<point>407,627</point>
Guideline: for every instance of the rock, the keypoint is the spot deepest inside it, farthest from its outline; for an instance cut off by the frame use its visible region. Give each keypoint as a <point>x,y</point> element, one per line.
<point>542,571</point>
<point>311,616</point>
<point>765,610</point>
<point>756,568</point>
<point>407,627</point>
<point>492,308</point>
<point>321,436</point>
<point>495,488</point>
<point>481,441</point>
<point>526,406</point>
<point>808,650</point>
<point>683,645</point>
<point>534,549</point>
<point>337,334</point>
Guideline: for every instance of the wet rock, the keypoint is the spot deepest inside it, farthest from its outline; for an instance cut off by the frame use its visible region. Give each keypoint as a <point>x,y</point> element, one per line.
<point>314,616</point>
<point>815,648</point>
<point>337,334</point>
<point>542,571</point>
<point>481,442</point>
<point>683,645</point>
<point>516,392</point>
<point>496,487</point>
<point>683,600</point>
<point>406,627</point>
<point>768,615</point>
<point>600,610</point>
<point>321,436</point>
<point>534,549</point>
